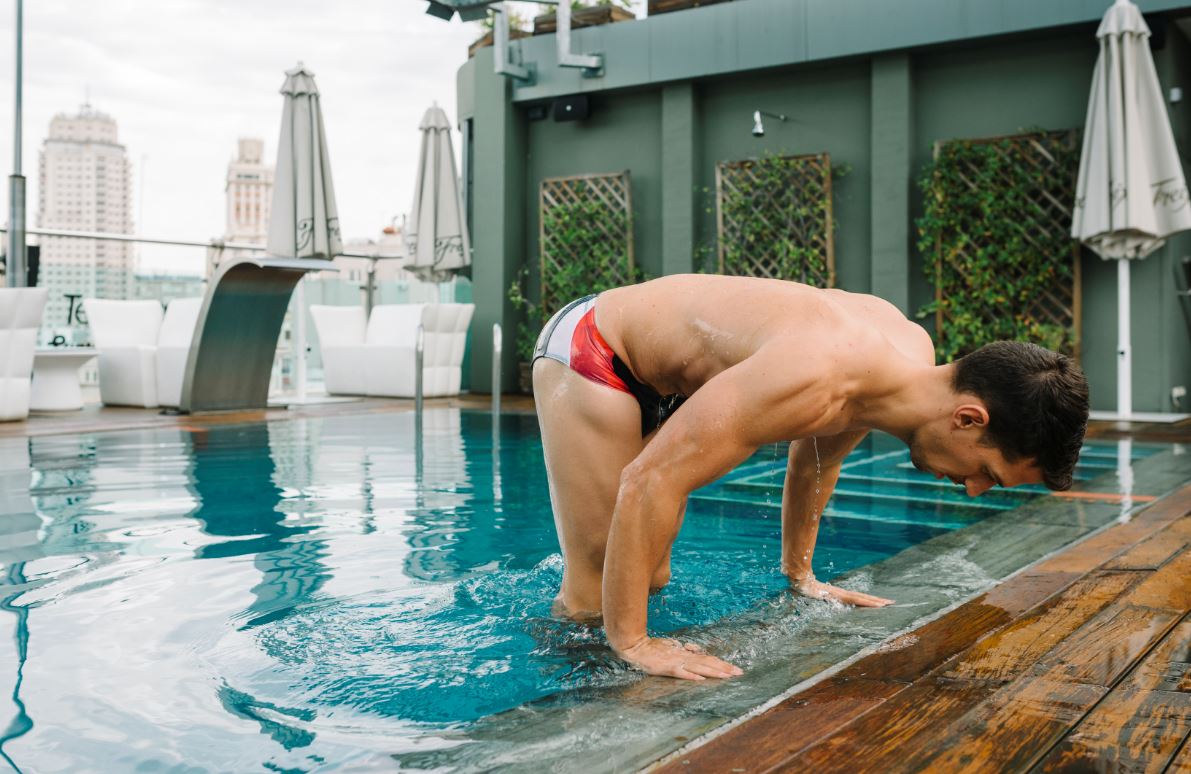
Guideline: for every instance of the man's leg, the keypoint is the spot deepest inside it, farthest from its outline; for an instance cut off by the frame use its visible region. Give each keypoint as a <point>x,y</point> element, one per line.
<point>589,433</point>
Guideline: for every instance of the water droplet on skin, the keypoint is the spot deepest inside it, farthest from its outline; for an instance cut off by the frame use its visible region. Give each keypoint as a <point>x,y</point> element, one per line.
<point>818,477</point>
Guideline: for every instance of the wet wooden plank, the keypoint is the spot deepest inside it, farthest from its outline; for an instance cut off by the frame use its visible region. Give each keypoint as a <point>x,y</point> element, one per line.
<point>1156,550</point>
<point>1007,728</point>
<point>952,633</point>
<point>1109,644</point>
<point>934,643</point>
<point>1019,723</point>
<point>1099,626</point>
<point>1004,654</point>
<point>893,737</point>
<point>980,720</point>
<point>1027,590</point>
<point>784,730</point>
<point>1011,730</point>
<point>1100,548</point>
<point>869,682</point>
<point>1168,665</point>
<point>959,629</point>
<point>1167,588</point>
<point>1141,723</point>
<point>1182,761</point>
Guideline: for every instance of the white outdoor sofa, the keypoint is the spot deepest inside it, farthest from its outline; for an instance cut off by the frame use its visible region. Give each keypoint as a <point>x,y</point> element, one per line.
<point>142,352</point>
<point>20,317</point>
<point>375,356</point>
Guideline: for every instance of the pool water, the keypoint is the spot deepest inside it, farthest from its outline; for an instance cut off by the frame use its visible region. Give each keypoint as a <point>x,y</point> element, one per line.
<point>306,593</point>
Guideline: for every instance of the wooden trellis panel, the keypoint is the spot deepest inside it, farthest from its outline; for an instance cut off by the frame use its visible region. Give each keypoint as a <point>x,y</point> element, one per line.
<point>1039,172</point>
<point>774,218</point>
<point>602,239</point>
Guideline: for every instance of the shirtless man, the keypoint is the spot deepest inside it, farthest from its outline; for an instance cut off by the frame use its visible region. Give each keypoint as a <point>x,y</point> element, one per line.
<point>651,391</point>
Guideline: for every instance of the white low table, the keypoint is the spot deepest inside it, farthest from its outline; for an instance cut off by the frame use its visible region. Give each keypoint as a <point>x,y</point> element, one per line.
<point>56,378</point>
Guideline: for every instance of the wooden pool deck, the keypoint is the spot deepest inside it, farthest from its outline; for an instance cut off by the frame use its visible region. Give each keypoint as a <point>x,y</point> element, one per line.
<point>1081,662</point>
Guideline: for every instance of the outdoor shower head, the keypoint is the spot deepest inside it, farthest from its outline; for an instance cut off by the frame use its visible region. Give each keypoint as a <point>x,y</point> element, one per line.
<point>758,127</point>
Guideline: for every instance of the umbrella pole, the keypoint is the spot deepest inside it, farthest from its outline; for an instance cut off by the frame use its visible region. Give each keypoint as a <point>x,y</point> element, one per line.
<point>1124,351</point>
<point>300,339</point>
<point>369,298</point>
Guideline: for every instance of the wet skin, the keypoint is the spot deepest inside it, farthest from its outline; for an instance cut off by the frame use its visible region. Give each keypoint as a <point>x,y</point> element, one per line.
<point>761,361</point>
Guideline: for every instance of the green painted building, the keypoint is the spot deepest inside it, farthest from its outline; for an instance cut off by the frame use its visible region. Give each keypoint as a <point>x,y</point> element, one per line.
<point>874,83</point>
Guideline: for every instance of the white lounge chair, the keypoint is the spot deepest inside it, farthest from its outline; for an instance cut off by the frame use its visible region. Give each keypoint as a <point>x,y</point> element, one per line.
<point>125,333</point>
<point>173,347</point>
<point>377,359</point>
<point>142,351</point>
<point>341,333</point>
<point>445,341</point>
<point>20,317</point>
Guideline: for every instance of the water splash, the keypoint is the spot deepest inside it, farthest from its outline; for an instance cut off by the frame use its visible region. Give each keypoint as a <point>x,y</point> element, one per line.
<point>953,572</point>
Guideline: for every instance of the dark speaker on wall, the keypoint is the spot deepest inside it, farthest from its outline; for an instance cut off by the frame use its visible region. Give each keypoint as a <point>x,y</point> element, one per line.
<point>576,108</point>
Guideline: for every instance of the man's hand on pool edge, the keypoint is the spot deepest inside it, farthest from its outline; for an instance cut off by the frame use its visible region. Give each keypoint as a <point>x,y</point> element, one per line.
<point>809,587</point>
<point>671,658</point>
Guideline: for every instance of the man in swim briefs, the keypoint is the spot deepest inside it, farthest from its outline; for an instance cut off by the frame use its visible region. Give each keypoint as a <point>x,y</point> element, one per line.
<point>647,392</point>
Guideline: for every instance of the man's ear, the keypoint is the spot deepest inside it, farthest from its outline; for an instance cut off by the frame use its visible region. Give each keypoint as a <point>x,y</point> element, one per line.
<point>968,415</point>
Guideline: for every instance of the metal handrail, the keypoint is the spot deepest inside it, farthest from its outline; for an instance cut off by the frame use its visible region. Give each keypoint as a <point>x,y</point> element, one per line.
<point>419,355</point>
<point>216,244</point>
<point>497,346</point>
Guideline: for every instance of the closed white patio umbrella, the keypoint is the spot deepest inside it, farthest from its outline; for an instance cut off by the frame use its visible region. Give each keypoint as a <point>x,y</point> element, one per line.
<point>1131,194</point>
<point>304,221</point>
<point>437,228</point>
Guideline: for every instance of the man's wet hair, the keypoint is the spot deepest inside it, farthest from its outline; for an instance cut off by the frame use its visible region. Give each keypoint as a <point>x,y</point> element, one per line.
<point>1037,403</point>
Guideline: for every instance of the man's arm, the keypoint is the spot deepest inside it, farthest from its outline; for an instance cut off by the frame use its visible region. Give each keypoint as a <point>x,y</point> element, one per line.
<point>811,475</point>
<point>756,401</point>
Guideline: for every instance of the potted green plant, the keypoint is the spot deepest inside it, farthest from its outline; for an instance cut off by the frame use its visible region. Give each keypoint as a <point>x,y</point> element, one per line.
<point>586,15</point>
<point>517,29</point>
<point>666,6</point>
<point>586,247</point>
<point>527,329</point>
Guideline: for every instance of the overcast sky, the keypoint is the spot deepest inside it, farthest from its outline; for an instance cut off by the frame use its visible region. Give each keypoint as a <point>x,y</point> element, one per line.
<point>185,78</point>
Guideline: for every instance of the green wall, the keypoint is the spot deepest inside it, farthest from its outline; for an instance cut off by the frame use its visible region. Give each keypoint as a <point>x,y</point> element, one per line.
<point>827,108</point>
<point>878,114</point>
<point>623,133</point>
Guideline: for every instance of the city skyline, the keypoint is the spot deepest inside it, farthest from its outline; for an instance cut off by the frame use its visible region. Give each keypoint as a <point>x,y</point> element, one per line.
<point>249,194</point>
<point>185,80</point>
<point>83,185</point>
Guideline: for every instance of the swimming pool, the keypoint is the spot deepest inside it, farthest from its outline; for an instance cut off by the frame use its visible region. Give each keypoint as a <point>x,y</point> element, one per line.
<point>317,593</point>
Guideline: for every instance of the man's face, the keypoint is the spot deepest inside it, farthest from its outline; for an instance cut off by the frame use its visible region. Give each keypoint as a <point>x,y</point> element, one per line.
<point>953,449</point>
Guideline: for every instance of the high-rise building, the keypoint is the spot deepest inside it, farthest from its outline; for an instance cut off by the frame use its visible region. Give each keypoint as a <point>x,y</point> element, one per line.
<point>249,196</point>
<point>85,184</point>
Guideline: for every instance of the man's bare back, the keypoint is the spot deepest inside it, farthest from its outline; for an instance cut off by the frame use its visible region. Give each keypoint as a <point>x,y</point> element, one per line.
<point>678,332</point>
<point>746,362</point>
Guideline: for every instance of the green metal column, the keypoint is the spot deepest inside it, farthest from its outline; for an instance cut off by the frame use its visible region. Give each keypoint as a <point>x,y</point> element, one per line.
<point>891,141</point>
<point>498,213</point>
<point>678,178</point>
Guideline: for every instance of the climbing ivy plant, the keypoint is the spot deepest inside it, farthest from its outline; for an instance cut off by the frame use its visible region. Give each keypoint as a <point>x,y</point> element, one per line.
<point>995,235</point>
<point>774,218</point>
<point>586,247</point>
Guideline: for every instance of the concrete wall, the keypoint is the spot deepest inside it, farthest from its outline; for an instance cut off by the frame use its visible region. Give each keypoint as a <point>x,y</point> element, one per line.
<point>878,114</point>
<point>623,132</point>
<point>827,108</point>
